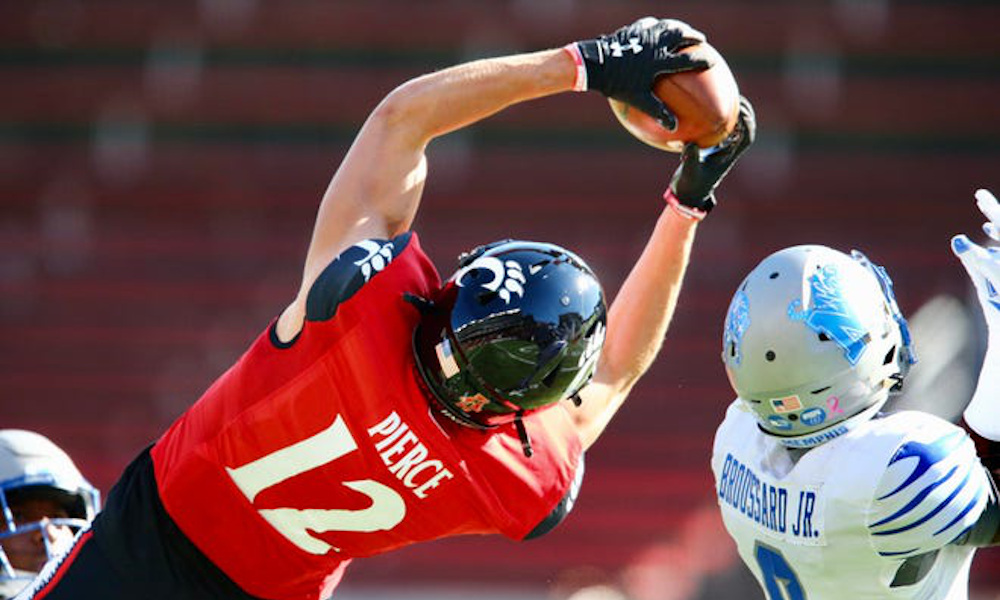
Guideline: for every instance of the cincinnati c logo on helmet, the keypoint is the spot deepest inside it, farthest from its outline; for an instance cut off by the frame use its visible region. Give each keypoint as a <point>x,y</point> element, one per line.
<point>508,278</point>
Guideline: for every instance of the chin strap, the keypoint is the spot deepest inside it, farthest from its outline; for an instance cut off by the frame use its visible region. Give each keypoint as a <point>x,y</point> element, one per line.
<point>522,433</point>
<point>424,305</point>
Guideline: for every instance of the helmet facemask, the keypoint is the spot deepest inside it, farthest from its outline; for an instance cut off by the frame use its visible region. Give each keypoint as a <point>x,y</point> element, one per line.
<point>814,343</point>
<point>518,328</point>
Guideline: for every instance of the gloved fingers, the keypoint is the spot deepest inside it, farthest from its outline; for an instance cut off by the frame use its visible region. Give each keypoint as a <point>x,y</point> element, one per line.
<point>727,151</point>
<point>982,265</point>
<point>646,22</point>
<point>990,207</point>
<point>748,119</point>
<point>677,35</point>
<point>991,230</point>
<point>965,249</point>
<point>691,153</point>
<point>650,104</point>
<point>667,62</point>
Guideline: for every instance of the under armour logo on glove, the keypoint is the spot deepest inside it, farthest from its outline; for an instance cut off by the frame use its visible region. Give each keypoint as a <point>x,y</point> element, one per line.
<point>507,276</point>
<point>378,257</point>
<point>617,48</point>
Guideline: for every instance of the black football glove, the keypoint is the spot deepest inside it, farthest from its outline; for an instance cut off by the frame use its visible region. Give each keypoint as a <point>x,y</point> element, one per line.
<point>701,170</point>
<point>624,65</point>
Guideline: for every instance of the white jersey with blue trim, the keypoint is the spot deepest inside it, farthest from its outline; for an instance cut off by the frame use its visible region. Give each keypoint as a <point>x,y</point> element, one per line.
<point>869,514</point>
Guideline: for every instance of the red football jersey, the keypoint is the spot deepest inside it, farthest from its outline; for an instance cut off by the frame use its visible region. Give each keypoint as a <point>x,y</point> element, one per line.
<point>300,458</point>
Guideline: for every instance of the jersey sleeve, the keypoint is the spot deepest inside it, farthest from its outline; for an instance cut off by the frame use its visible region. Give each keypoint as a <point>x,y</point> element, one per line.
<point>562,509</point>
<point>351,270</point>
<point>933,490</point>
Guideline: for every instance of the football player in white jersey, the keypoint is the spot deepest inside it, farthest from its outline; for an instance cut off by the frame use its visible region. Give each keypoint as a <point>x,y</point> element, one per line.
<point>826,496</point>
<point>44,501</point>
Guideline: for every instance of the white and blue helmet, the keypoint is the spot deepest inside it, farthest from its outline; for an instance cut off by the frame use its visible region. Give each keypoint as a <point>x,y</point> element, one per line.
<point>32,466</point>
<point>814,343</point>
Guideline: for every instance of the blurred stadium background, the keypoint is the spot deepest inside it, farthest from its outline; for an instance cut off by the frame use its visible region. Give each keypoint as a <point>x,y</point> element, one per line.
<point>161,162</point>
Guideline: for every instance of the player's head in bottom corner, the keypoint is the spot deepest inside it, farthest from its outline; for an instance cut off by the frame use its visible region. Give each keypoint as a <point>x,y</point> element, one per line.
<point>517,328</point>
<point>44,501</point>
<point>814,343</point>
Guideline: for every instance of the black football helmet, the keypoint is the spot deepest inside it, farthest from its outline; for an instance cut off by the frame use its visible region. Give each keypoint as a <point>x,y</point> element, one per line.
<point>517,328</point>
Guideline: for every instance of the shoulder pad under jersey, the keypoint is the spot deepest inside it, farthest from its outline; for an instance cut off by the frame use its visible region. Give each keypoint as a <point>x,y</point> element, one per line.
<point>932,491</point>
<point>351,270</point>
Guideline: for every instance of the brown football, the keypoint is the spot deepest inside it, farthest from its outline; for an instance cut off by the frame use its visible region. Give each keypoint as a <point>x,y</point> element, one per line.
<point>706,104</point>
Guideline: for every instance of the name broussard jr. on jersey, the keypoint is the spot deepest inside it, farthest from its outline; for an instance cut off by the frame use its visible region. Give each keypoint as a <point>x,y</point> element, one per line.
<point>792,512</point>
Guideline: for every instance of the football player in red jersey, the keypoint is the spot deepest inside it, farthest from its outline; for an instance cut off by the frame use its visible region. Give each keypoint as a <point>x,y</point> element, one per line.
<point>384,408</point>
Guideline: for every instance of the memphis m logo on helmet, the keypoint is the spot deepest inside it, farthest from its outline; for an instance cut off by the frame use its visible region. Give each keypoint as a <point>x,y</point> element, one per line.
<point>814,343</point>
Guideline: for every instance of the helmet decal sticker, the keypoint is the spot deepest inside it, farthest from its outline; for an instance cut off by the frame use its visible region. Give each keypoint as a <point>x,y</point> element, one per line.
<point>885,282</point>
<point>379,256</point>
<point>737,322</point>
<point>786,404</point>
<point>813,416</point>
<point>780,423</point>
<point>833,403</point>
<point>588,358</point>
<point>508,278</point>
<point>831,315</point>
<point>594,345</point>
<point>446,358</point>
<point>472,403</point>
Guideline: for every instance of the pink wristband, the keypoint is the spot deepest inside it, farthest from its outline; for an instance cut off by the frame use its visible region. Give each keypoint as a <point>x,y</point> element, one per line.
<point>580,83</point>
<point>683,210</point>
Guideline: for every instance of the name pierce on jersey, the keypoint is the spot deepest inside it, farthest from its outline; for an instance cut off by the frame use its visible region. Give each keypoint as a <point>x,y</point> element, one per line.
<point>792,513</point>
<point>407,457</point>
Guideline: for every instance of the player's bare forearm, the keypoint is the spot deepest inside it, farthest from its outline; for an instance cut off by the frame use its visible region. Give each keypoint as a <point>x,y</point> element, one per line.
<point>637,322</point>
<point>376,190</point>
<point>440,102</point>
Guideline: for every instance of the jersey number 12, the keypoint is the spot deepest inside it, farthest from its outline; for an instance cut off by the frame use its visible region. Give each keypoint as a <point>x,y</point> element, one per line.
<point>387,506</point>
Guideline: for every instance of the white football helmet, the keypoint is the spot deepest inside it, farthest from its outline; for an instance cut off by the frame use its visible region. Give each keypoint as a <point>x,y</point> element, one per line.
<point>31,466</point>
<point>814,342</point>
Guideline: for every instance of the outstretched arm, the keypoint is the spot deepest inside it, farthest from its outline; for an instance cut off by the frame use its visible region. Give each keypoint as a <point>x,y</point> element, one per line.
<point>640,314</point>
<point>637,322</point>
<point>983,267</point>
<point>983,413</point>
<point>376,190</point>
